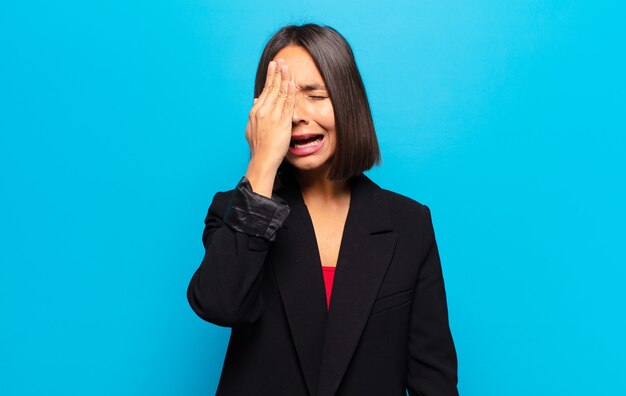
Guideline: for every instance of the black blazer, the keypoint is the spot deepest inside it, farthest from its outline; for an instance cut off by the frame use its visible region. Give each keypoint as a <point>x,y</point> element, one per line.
<point>387,330</point>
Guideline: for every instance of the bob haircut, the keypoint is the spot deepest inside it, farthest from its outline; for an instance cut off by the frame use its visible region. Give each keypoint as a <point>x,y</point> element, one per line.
<point>357,146</point>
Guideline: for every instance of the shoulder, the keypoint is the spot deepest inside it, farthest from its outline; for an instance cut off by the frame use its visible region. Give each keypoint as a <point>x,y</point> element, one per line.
<point>401,204</point>
<point>405,213</point>
<point>404,203</point>
<point>220,203</point>
<point>408,212</point>
<point>221,198</point>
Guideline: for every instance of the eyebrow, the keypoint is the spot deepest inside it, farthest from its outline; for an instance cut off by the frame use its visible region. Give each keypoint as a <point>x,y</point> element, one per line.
<point>312,87</point>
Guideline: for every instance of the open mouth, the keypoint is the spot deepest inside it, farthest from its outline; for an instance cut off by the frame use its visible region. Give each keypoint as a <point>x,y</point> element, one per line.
<point>299,142</point>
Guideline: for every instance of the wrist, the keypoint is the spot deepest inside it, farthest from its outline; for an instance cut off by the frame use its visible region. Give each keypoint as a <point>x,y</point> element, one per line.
<point>261,177</point>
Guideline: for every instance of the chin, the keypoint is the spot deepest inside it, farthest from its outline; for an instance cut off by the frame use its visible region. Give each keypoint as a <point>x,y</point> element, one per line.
<point>305,165</point>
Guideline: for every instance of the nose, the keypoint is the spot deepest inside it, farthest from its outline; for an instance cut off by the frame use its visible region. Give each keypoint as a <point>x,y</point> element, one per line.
<point>299,111</point>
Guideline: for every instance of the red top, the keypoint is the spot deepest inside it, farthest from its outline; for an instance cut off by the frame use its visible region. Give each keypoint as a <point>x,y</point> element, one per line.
<point>329,276</point>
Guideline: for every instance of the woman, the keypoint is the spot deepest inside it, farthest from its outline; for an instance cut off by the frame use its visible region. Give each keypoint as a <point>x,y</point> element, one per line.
<point>331,285</point>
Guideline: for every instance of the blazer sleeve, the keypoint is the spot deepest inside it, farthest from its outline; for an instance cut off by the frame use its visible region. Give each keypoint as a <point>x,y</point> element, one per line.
<point>239,229</point>
<point>432,369</point>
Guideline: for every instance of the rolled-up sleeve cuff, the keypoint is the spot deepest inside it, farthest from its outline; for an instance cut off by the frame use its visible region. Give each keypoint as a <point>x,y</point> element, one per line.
<point>255,214</point>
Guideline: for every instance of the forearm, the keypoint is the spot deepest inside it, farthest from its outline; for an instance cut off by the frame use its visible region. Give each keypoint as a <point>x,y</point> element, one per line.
<point>225,288</point>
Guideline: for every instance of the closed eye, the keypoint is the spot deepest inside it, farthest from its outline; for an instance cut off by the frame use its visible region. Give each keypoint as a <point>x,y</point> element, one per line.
<point>318,97</point>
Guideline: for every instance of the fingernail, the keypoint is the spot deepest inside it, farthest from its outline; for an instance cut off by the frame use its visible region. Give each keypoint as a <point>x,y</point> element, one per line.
<point>272,64</point>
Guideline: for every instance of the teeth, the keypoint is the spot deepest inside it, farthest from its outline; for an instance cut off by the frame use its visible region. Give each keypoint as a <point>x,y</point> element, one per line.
<point>313,143</point>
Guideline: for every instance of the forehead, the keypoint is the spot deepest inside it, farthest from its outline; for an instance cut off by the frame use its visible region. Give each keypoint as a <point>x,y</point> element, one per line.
<point>301,65</point>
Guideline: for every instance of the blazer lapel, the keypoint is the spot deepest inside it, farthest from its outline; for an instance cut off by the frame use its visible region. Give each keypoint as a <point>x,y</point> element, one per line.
<point>366,250</point>
<point>295,259</point>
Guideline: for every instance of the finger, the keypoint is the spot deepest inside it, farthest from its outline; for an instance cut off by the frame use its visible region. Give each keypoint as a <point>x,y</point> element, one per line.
<point>256,100</point>
<point>270,84</point>
<point>248,133</point>
<point>271,69</point>
<point>290,100</point>
<point>270,99</point>
<point>282,92</point>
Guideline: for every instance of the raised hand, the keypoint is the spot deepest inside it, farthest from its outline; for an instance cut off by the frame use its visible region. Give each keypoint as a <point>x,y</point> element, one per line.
<point>269,127</point>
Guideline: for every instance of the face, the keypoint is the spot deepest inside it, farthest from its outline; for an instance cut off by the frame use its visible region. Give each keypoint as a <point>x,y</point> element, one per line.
<point>313,135</point>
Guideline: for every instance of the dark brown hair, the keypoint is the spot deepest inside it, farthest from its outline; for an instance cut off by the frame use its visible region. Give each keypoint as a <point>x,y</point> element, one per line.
<point>357,147</point>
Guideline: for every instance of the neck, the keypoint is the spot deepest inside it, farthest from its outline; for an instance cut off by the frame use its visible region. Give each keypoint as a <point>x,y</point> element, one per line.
<point>316,186</point>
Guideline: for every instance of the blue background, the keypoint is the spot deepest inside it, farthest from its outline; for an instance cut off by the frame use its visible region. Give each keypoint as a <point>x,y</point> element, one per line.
<point>505,117</point>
